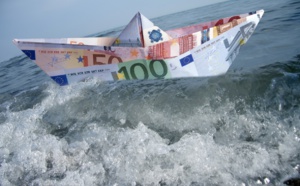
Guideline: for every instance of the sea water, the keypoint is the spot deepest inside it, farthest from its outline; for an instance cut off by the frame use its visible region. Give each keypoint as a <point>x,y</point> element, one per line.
<point>241,128</point>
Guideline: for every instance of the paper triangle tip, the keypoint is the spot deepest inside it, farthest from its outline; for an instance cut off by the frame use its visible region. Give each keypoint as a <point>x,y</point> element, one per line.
<point>141,32</point>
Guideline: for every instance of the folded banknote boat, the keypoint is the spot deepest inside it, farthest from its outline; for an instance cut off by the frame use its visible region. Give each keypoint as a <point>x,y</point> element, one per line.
<point>144,51</point>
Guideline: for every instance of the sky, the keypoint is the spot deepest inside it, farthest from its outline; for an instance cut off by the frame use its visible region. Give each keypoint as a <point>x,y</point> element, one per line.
<point>22,19</point>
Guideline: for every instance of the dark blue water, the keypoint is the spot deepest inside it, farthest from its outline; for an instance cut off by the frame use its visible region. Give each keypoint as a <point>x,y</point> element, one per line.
<point>241,128</point>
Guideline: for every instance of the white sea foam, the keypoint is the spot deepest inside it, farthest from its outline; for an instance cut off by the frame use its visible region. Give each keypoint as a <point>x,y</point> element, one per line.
<point>133,155</point>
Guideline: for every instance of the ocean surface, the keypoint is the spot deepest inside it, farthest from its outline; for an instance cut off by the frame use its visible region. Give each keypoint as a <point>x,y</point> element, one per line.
<point>241,128</point>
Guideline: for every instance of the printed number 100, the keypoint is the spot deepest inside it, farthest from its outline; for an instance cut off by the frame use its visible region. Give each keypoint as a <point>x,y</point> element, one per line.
<point>153,71</point>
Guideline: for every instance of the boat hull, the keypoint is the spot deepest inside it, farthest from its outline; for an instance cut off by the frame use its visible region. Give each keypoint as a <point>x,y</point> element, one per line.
<point>202,50</point>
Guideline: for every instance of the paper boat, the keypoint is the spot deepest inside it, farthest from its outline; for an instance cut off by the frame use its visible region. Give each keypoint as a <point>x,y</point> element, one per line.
<point>144,51</point>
